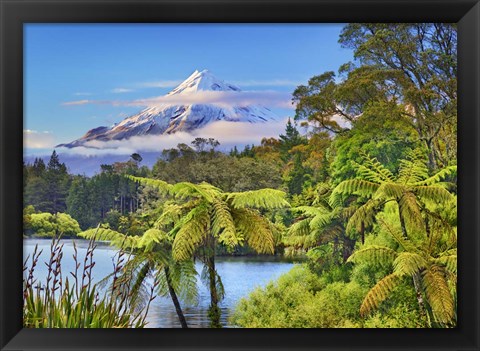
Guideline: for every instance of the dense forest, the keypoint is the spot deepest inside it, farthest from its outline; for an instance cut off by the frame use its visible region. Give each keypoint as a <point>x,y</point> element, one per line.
<point>361,184</point>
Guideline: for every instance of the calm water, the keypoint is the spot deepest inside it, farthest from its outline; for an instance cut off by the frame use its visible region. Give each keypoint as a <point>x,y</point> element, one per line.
<point>240,276</point>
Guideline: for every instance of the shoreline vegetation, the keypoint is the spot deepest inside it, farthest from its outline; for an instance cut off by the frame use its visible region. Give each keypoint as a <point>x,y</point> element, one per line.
<point>367,196</point>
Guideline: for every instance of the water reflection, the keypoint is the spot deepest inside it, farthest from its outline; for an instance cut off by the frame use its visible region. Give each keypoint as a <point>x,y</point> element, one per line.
<point>240,276</point>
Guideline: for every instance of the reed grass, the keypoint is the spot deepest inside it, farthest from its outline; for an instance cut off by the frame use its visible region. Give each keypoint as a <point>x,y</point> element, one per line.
<point>74,301</point>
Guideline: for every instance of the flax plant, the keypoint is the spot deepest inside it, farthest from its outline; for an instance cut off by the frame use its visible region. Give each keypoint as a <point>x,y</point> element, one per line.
<point>60,302</point>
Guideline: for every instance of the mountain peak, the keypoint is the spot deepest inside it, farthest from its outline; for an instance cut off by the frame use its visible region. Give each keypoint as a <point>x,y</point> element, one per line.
<point>186,117</point>
<point>202,81</point>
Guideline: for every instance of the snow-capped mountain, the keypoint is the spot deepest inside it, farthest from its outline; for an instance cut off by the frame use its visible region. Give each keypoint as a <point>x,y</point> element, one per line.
<point>167,118</point>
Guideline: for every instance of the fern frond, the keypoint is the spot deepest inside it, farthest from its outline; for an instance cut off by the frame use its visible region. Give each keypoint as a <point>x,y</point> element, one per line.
<point>449,171</point>
<point>299,228</point>
<point>115,238</point>
<point>450,262</point>
<point>365,215</point>
<point>256,229</point>
<point>410,210</point>
<point>310,211</point>
<point>191,232</point>
<point>205,277</point>
<point>405,244</point>
<point>183,279</point>
<point>136,296</point>
<point>171,213</point>
<point>162,186</point>
<point>223,226</point>
<point>390,191</point>
<point>373,170</point>
<point>378,255</point>
<point>438,294</point>
<point>435,194</point>
<point>321,221</point>
<point>151,237</point>
<point>408,263</point>
<point>379,293</point>
<point>352,187</point>
<point>185,190</point>
<point>412,170</point>
<point>263,198</point>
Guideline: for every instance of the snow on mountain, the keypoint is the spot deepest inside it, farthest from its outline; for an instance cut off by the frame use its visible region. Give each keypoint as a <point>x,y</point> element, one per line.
<point>164,118</point>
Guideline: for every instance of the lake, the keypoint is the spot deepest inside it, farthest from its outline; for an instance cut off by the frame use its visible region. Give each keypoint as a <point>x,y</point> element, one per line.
<point>240,276</point>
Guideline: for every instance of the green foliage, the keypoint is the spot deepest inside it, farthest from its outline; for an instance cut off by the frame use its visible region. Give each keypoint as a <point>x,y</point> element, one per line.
<point>424,266</point>
<point>379,186</point>
<point>297,300</point>
<point>46,187</point>
<point>229,173</point>
<point>48,225</point>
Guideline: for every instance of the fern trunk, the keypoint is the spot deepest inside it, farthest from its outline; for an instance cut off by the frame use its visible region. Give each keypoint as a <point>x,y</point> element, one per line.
<point>418,292</point>
<point>214,310</point>
<point>402,224</point>
<point>176,303</point>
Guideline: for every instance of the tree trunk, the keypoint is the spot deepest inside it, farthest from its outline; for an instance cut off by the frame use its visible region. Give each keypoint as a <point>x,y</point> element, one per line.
<point>402,224</point>
<point>418,291</point>
<point>362,232</point>
<point>214,310</point>
<point>175,301</point>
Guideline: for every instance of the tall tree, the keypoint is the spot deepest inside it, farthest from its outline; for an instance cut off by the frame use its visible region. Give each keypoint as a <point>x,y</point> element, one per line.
<point>420,61</point>
<point>289,140</point>
<point>57,183</point>
<point>412,65</point>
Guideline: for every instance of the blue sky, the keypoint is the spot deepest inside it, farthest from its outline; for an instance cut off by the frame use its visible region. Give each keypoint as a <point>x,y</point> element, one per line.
<point>66,63</point>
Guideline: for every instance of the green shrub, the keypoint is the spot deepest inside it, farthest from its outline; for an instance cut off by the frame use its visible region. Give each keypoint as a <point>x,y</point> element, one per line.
<point>297,300</point>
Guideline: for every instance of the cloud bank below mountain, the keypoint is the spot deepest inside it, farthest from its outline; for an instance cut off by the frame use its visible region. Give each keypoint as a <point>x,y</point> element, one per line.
<point>229,134</point>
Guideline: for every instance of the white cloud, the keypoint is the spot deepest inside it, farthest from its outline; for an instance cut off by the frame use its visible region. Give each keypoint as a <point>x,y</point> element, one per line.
<point>121,90</point>
<point>82,94</point>
<point>160,84</point>
<point>267,83</point>
<point>33,139</point>
<point>78,102</point>
<point>228,133</point>
<point>224,99</point>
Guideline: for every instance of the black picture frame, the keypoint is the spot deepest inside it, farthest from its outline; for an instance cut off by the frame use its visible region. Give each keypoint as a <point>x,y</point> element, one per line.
<point>14,13</point>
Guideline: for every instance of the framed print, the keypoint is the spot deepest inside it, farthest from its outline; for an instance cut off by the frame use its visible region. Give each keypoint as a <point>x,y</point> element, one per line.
<point>296,174</point>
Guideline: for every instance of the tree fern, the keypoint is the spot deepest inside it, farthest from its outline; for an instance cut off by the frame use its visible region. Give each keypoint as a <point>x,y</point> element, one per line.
<point>204,190</point>
<point>151,237</point>
<point>191,233</point>
<point>359,187</point>
<point>379,293</point>
<point>446,172</point>
<point>436,194</point>
<point>412,170</point>
<point>223,226</point>
<point>379,255</point>
<point>115,238</point>
<point>256,230</point>
<point>373,170</point>
<point>409,263</point>
<point>160,185</point>
<point>364,216</point>
<point>449,262</point>
<point>438,294</point>
<point>263,198</point>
